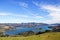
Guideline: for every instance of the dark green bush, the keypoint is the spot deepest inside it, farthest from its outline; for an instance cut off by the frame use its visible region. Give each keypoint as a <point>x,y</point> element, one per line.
<point>28,33</point>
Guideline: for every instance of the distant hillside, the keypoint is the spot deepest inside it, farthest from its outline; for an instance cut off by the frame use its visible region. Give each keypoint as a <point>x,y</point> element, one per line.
<point>55,24</point>
<point>22,24</point>
<point>55,27</point>
<point>45,36</point>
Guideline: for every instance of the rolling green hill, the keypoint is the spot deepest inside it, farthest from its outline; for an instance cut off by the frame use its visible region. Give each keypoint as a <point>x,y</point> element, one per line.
<point>45,36</point>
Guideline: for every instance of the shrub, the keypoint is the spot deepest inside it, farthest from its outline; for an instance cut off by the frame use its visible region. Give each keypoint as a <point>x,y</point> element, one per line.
<point>28,33</point>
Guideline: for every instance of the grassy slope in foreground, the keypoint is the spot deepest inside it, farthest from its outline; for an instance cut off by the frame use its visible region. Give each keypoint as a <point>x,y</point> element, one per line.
<point>45,36</point>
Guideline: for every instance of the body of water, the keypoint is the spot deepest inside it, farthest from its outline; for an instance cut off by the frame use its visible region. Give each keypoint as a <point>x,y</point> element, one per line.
<point>25,29</point>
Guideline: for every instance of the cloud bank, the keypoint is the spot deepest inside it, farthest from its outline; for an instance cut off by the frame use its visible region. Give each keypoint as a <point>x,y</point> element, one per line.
<point>54,13</point>
<point>53,10</point>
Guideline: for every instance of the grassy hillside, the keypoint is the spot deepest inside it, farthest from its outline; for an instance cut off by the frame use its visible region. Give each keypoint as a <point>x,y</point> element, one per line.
<point>45,36</point>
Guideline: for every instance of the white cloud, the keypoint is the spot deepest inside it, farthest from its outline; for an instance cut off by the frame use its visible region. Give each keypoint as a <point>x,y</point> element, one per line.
<point>55,17</point>
<point>35,16</point>
<point>53,10</point>
<point>36,3</point>
<point>22,4</point>
<point>54,13</point>
<point>12,14</point>
<point>4,14</point>
<point>39,17</point>
<point>7,18</point>
<point>20,15</point>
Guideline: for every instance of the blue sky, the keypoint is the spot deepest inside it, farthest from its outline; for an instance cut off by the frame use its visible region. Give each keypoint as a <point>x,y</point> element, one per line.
<point>18,11</point>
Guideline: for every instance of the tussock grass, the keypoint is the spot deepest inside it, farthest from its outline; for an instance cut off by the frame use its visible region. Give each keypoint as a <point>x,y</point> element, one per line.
<point>45,36</point>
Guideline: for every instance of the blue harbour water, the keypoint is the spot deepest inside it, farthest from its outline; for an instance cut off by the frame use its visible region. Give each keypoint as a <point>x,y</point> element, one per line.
<point>25,29</point>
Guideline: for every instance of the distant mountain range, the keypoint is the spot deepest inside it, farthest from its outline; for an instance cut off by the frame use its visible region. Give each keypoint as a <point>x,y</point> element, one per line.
<point>22,24</point>
<point>26,24</point>
<point>14,25</point>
